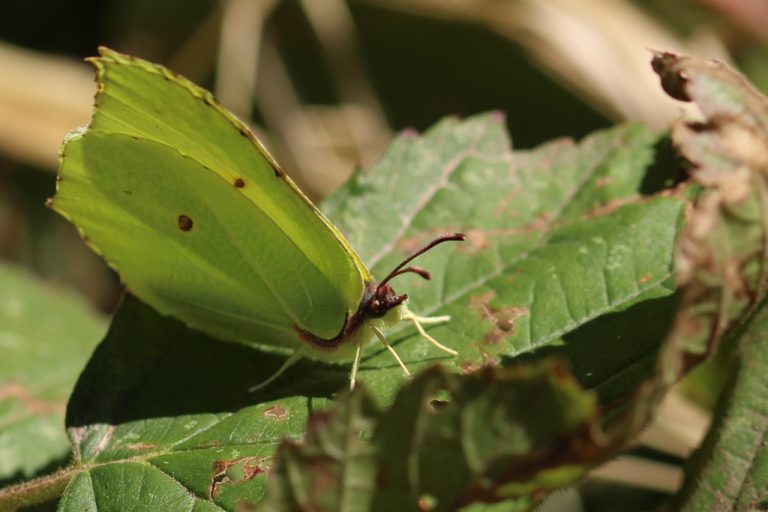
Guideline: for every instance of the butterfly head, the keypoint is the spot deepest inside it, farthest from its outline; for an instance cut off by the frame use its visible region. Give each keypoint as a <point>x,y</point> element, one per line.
<point>378,300</point>
<point>381,297</point>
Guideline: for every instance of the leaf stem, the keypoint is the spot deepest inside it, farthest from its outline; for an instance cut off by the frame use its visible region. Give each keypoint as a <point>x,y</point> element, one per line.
<point>37,491</point>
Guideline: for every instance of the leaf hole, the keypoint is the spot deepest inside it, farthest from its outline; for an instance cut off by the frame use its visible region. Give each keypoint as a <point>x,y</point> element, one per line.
<point>439,401</point>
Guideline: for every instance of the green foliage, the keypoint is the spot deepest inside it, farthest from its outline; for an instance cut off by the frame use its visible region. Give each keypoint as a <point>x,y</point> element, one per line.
<point>204,432</point>
<point>161,401</point>
<point>45,337</point>
<point>557,237</point>
<point>496,433</point>
<point>590,283</point>
<point>738,437</point>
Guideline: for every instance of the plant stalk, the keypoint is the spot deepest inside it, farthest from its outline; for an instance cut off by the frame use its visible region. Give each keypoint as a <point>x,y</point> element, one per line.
<point>37,491</point>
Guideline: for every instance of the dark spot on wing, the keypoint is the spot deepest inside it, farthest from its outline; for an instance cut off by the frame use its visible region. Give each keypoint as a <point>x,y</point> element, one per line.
<point>239,183</point>
<point>185,222</point>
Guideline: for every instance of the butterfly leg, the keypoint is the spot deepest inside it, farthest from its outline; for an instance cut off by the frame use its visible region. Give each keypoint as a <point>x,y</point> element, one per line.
<point>418,321</point>
<point>384,341</point>
<point>428,320</point>
<point>298,354</point>
<point>355,366</point>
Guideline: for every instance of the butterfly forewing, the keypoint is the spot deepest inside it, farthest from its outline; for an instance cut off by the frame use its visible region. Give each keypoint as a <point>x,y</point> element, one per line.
<point>195,216</point>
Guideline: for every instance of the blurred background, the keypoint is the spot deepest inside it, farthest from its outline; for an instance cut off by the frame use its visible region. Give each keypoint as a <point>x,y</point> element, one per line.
<point>327,83</point>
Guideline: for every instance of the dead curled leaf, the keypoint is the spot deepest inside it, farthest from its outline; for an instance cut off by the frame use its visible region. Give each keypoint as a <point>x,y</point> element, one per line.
<point>728,151</point>
<point>721,254</point>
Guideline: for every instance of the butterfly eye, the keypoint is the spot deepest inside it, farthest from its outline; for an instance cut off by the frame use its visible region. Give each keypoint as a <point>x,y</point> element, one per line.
<point>375,304</point>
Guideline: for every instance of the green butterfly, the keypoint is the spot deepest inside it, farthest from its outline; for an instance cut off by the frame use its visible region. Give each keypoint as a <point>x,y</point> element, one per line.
<point>190,209</point>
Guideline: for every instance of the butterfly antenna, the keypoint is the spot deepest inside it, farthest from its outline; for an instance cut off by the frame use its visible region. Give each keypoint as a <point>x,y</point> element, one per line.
<point>398,270</point>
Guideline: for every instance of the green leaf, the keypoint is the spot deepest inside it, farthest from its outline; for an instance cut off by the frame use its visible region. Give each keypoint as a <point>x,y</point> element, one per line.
<point>46,334</point>
<point>162,403</point>
<point>334,468</point>
<point>561,237</point>
<point>738,437</point>
<point>446,442</point>
<point>558,236</point>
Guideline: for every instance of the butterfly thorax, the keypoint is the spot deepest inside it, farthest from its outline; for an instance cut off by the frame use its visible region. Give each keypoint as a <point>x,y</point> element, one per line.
<point>378,302</point>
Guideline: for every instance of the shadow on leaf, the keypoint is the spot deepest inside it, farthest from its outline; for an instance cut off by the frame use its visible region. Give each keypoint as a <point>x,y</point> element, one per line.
<point>153,366</point>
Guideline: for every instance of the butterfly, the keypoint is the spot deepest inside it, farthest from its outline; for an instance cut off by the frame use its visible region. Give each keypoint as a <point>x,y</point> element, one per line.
<point>200,222</point>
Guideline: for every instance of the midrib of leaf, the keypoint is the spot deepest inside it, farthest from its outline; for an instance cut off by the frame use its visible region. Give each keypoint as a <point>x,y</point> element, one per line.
<point>172,447</point>
<point>146,458</point>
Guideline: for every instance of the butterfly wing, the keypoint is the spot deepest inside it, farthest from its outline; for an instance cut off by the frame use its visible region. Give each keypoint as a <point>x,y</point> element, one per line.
<point>197,218</point>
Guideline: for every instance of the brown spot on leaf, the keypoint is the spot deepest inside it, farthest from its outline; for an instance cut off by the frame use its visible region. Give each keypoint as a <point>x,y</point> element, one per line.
<point>470,366</point>
<point>234,471</point>
<point>239,183</point>
<point>30,403</point>
<point>644,279</point>
<point>185,222</point>
<point>138,447</point>
<point>276,412</point>
<point>502,318</point>
<point>481,239</point>
<point>478,239</point>
<point>245,506</point>
<point>602,181</point>
<point>49,202</point>
<point>502,208</point>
